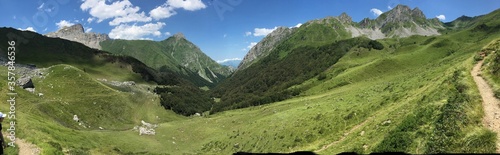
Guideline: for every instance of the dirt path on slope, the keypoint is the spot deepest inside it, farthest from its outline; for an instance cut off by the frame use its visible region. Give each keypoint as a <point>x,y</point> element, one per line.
<point>491,105</point>
<point>344,136</point>
<point>26,148</point>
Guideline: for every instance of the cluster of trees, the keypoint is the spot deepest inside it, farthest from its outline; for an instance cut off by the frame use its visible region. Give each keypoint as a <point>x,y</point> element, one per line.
<point>185,100</point>
<point>270,79</point>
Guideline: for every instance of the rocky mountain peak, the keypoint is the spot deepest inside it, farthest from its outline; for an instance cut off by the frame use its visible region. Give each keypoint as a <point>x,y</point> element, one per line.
<point>401,14</point>
<point>77,28</point>
<point>264,47</point>
<point>417,13</point>
<point>401,8</point>
<point>344,18</point>
<point>464,18</point>
<point>279,30</point>
<point>77,33</point>
<point>364,23</point>
<point>179,36</point>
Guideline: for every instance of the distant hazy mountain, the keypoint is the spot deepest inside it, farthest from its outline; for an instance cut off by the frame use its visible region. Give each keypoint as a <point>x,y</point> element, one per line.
<point>233,63</point>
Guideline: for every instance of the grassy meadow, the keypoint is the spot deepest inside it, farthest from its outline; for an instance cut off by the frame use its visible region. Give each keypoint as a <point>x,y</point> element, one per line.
<point>416,96</point>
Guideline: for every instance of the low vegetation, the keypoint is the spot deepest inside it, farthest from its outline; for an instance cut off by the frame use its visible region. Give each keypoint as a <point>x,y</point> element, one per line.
<point>491,66</point>
<point>411,94</point>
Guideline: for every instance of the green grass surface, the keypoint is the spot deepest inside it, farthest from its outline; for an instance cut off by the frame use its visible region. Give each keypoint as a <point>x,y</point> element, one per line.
<point>416,96</point>
<point>412,85</point>
<point>491,66</point>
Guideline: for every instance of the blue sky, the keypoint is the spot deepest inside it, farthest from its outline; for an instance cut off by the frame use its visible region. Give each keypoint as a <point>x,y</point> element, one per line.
<point>223,29</point>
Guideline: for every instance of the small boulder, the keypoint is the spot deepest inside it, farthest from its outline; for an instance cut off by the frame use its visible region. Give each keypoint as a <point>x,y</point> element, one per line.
<point>25,82</point>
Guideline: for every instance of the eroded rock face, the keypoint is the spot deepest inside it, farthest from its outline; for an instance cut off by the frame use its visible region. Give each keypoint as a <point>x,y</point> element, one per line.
<point>402,21</point>
<point>264,47</point>
<point>77,33</point>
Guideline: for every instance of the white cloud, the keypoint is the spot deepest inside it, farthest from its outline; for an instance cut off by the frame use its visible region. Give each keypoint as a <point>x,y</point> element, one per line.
<point>168,9</point>
<point>134,17</point>
<point>41,6</point>
<point>64,23</point>
<point>441,17</point>
<point>168,34</point>
<point>389,7</point>
<point>248,33</point>
<point>376,12</point>
<point>88,29</point>
<point>162,11</point>
<point>28,29</point>
<point>90,19</point>
<point>263,31</point>
<point>190,5</point>
<point>130,32</point>
<point>122,11</point>
<point>252,44</point>
<point>226,60</point>
<point>298,25</point>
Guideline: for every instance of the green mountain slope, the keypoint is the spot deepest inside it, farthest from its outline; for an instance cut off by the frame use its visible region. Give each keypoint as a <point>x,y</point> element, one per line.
<point>414,95</point>
<point>491,67</point>
<point>175,53</point>
<point>45,52</point>
<point>401,21</point>
<point>267,81</point>
<point>67,91</point>
<point>33,48</point>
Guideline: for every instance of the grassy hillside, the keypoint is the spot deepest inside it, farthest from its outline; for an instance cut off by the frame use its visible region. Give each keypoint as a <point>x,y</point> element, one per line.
<point>48,121</point>
<point>491,67</point>
<point>33,48</point>
<point>174,53</point>
<point>414,95</point>
<point>407,98</point>
<point>45,52</point>
<point>313,33</point>
<point>267,80</point>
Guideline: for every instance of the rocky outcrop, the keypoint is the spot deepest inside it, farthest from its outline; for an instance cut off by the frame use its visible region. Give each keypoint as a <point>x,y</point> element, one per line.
<point>179,36</point>
<point>344,18</point>
<point>77,33</point>
<point>265,46</point>
<point>400,14</point>
<point>401,21</point>
<point>25,82</point>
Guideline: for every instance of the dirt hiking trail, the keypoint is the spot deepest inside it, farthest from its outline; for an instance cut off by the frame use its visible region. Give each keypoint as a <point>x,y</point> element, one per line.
<point>26,148</point>
<point>344,136</point>
<point>491,105</point>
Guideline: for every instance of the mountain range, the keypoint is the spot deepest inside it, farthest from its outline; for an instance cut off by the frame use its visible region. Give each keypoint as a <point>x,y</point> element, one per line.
<point>401,21</point>
<point>232,63</point>
<point>174,53</point>
<point>397,83</point>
